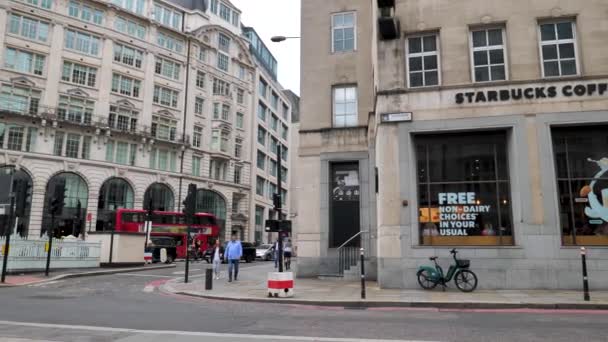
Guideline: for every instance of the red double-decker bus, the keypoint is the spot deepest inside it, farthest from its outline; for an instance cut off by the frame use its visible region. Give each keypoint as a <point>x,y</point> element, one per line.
<point>170,224</point>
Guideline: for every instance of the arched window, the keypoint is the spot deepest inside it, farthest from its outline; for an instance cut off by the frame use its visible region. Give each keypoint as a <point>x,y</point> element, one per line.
<point>161,196</point>
<point>115,193</point>
<point>18,177</point>
<point>211,202</point>
<point>71,219</point>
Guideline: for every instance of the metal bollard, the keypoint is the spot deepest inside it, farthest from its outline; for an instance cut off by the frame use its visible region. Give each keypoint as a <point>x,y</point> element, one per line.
<point>585,278</point>
<point>362,273</point>
<point>208,279</point>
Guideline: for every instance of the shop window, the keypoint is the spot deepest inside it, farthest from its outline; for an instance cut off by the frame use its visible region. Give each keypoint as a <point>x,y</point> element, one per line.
<point>464,189</point>
<point>581,164</point>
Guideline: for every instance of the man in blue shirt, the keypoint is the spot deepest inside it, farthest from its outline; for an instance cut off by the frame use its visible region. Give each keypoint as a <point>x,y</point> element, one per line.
<point>232,254</point>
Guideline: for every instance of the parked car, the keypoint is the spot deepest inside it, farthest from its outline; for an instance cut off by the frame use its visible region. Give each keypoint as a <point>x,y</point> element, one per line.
<point>248,252</point>
<point>265,252</point>
<point>159,242</point>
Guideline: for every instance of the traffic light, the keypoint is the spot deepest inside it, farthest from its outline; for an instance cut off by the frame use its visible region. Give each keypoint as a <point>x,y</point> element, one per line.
<point>58,198</point>
<point>190,203</point>
<point>23,193</point>
<point>276,201</point>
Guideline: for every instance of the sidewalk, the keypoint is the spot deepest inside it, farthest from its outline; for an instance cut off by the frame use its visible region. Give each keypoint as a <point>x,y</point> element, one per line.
<point>38,277</point>
<point>252,287</point>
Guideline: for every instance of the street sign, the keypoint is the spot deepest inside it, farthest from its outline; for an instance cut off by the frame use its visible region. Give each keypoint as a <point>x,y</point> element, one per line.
<point>396,117</point>
<point>273,226</point>
<point>89,217</point>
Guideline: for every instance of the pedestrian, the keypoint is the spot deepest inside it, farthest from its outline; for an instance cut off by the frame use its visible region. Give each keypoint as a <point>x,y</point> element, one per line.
<point>287,254</point>
<point>276,253</point>
<point>197,249</point>
<point>218,253</point>
<point>232,254</point>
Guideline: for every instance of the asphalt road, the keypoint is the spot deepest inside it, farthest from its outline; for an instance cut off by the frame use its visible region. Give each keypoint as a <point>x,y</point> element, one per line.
<point>127,307</point>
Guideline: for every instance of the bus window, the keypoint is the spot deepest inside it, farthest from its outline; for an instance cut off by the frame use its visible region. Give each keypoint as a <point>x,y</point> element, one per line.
<point>205,220</point>
<point>132,218</point>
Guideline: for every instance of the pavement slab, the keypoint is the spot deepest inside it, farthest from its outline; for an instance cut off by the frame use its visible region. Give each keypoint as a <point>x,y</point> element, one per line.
<point>345,293</point>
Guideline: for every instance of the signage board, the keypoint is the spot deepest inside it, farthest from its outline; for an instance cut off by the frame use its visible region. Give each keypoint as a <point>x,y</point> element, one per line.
<point>396,117</point>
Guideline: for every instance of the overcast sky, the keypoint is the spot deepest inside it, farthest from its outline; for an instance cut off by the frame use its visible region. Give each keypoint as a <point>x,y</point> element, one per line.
<point>277,18</point>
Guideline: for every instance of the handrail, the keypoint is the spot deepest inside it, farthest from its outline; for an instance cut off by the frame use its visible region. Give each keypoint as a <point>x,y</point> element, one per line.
<point>352,238</point>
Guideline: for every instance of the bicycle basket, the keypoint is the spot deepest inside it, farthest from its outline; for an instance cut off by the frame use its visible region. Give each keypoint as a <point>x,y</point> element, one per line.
<point>463,263</point>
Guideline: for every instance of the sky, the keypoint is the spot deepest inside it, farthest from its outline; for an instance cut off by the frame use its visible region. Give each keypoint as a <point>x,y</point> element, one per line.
<point>277,18</point>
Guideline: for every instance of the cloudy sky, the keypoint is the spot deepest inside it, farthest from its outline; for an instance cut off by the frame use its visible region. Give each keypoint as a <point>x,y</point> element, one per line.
<point>277,18</point>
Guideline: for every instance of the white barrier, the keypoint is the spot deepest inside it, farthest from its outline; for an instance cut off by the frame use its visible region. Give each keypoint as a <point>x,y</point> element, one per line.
<point>30,255</point>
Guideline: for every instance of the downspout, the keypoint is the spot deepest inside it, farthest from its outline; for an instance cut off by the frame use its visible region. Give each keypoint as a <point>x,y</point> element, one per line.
<point>181,167</point>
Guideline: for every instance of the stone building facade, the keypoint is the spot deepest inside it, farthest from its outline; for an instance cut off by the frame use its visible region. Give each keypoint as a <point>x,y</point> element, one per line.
<point>127,102</point>
<point>487,134</point>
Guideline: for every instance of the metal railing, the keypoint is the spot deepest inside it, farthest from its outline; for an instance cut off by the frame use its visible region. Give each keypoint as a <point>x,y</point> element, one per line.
<point>27,255</point>
<point>32,108</point>
<point>348,256</point>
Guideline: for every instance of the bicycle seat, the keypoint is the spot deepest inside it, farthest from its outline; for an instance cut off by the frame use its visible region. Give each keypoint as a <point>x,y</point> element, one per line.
<point>433,258</point>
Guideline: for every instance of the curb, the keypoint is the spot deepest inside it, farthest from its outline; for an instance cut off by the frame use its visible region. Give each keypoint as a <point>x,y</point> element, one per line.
<point>92,274</point>
<point>360,304</point>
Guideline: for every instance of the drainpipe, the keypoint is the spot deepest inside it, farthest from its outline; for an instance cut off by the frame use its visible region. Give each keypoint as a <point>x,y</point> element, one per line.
<point>181,167</point>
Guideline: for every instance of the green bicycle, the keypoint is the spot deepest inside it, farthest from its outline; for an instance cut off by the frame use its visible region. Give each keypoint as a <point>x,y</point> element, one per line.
<point>429,277</point>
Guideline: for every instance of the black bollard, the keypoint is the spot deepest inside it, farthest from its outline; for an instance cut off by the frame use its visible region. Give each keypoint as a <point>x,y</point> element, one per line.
<point>585,278</point>
<point>208,279</point>
<point>362,273</point>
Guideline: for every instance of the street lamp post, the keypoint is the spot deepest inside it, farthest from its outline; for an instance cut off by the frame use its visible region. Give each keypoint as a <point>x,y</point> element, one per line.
<point>278,39</point>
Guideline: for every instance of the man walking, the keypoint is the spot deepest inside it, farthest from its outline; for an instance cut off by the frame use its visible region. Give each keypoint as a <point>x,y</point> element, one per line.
<point>233,254</point>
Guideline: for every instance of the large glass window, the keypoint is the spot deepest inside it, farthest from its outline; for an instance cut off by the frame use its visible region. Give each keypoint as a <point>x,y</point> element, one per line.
<point>558,45</point>
<point>121,152</point>
<point>127,55</point>
<point>343,27</point>
<point>18,99</point>
<point>164,128</point>
<point>260,186</point>
<point>165,96</point>
<point>464,189</point>
<point>200,79</point>
<point>261,112</point>
<point>85,12</point>
<point>136,6</point>
<point>17,138</point>
<point>197,136</point>
<point>196,166</point>
<point>75,109</point>
<point>488,50</point>
<point>8,174</point>
<point>221,87</point>
<point>29,28</point>
<point>422,61</point>
<point>164,160</point>
<point>71,219</point>
<point>345,106</point>
<point>581,163</point>
<point>115,193</point>
<point>130,27</point>
<point>79,74</point>
<point>169,42</point>
<point>46,4</point>
<point>261,160</point>
<point>24,61</point>
<point>125,85</point>
<point>160,196</point>
<point>167,16</point>
<point>82,42</point>
<point>123,118</point>
<point>261,136</point>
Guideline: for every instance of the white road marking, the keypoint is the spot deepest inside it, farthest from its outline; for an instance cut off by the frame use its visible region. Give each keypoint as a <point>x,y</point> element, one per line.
<point>45,283</point>
<point>149,288</point>
<point>144,275</point>
<point>193,333</point>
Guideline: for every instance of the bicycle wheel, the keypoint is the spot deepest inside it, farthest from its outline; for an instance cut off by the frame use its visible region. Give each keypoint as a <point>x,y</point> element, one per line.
<point>425,280</point>
<point>466,281</point>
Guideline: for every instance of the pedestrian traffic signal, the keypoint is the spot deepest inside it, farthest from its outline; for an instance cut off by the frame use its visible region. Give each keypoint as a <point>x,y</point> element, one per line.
<point>276,201</point>
<point>58,198</point>
<point>190,204</point>
<point>23,195</point>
